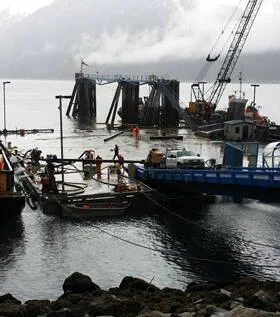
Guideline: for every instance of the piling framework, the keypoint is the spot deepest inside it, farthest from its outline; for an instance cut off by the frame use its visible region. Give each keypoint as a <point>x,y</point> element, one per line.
<point>161,108</point>
<point>83,99</point>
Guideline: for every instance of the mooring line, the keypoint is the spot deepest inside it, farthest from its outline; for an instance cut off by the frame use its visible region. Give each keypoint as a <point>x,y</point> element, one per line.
<point>201,227</point>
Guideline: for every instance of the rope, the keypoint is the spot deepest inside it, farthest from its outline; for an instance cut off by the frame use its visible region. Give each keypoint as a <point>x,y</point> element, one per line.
<point>189,222</point>
<point>203,71</point>
<point>179,217</point>
<point>230,36</point>
<point>160,250</point>
<point>205,68</point>
<point>196,224</point>
<point>226,26</point>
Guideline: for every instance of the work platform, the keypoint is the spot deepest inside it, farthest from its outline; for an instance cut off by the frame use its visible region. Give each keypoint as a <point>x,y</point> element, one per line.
<point>256,183</point>
<point>108,79</point>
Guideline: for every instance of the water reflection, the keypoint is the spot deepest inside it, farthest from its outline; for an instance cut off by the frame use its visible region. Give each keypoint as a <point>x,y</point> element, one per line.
<point>85,124</point>
<point>201,247</point>
<point>11,241</point>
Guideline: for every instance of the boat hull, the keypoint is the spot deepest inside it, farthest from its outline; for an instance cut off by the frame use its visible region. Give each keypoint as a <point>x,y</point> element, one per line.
<point>11,204</point>
<point>94,210</point>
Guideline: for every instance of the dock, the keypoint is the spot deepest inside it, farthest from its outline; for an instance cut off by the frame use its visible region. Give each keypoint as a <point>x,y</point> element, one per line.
<point>255,183</point>
<point>51,201</point>
<point>161,108</point>
<point>23,132</point>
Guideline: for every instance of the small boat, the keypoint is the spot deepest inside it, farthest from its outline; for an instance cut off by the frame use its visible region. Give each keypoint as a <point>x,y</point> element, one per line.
<point>94,209</point>
<point>12,200</point>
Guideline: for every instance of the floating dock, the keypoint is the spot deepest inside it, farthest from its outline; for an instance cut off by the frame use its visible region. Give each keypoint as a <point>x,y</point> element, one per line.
<point>256,183</point>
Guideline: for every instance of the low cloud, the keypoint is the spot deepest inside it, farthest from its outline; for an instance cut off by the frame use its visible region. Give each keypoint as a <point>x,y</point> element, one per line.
<point>189,33</point>
<point>135,35</point>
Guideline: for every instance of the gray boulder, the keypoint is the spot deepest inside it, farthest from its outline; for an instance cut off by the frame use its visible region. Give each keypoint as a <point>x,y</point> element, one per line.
<point>130,283</point>
<point>79,283</point>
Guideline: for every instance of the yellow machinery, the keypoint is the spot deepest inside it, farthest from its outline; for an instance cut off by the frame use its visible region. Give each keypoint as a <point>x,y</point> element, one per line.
<point>155,157</point>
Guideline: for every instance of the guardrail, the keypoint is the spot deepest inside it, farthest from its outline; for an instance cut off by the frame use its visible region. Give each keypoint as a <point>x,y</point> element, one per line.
<point>118,77</point>
<point>259,177</point>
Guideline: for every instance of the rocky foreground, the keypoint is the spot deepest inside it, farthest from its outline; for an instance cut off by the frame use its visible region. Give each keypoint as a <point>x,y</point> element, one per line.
<point>136,297</point>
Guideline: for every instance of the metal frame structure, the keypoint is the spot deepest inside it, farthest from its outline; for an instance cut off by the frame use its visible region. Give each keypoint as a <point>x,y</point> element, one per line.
<point>239,39</point>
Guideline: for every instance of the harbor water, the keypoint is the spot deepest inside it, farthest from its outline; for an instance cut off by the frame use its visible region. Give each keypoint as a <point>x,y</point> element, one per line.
<point>217,240</point>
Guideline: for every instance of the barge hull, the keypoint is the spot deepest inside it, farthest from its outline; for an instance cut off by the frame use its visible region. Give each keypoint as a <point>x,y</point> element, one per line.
<point>11,204</point>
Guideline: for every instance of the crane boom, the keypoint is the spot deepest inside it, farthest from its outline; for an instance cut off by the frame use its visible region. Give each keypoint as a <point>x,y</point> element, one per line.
<point>204,107</point>
<point>239,39</point>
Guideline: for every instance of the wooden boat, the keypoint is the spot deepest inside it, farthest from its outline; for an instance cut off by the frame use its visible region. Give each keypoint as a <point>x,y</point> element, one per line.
<point>94,209</point>
<point>12,200</point>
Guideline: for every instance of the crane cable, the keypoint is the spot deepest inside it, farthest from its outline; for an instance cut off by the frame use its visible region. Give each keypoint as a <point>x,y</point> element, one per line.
<point>232,32</point>
<point>158,248</point>
<point>225,27</point>
<point>205,68</point>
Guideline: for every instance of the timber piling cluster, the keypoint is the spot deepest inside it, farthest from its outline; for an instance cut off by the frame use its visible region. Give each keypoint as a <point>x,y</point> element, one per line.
<point>161,108</point>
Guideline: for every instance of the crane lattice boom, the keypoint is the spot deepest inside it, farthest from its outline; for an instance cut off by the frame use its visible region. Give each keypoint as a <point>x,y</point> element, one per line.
<point>234,51</point>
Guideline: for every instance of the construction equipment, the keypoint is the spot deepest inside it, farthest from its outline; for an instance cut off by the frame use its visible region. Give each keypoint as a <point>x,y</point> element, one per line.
<point>204,106</point>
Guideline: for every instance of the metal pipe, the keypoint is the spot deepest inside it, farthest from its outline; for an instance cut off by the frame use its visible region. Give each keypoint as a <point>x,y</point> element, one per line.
<point>73,160</point>
<point>254,97</point>
<point>4,96</point>
<point>60,97</point>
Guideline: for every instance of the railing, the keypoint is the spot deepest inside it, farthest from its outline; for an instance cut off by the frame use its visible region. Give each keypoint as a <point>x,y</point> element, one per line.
<point>117,78</point>
<point>260,177</point>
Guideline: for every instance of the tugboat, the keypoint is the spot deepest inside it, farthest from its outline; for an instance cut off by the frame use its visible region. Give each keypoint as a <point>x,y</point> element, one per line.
<point>12,200</point>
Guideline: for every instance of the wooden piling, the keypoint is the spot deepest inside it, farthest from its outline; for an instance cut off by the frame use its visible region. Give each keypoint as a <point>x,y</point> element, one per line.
<point>152,113</point>
<point>83,99</point>
<point>114,106</point>
<point>170,116</point>
<point>130,103</point>
<point>113,136</point>
<point>161,109</point>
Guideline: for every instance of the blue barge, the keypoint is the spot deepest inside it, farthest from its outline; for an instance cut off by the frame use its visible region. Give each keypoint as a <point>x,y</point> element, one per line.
<point>256,183</point>
<point>228,179</point>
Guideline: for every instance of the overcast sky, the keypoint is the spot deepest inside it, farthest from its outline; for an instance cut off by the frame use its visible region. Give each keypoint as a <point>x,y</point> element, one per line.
<point>29,6</point>
<point>186,34</point>
<point>207,20</point>
<point>23,6</point>
<point>158,31</point>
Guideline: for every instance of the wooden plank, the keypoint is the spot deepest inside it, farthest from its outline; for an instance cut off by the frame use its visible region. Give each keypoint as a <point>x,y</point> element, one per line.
<point>113,136</point>
<point>166,137</point>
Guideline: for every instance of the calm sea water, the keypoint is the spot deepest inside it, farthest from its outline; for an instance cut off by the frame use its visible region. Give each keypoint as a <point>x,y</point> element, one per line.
<point>218,240</point>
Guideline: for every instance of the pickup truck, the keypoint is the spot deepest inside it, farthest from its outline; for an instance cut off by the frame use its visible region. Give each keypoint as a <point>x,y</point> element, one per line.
<point>182,158</point>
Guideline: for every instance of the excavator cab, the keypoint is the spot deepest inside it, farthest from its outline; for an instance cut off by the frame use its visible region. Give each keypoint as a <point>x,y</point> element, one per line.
<point>201,109</point>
